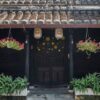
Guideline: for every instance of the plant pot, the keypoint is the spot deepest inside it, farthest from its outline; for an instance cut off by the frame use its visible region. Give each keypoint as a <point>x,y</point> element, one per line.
<point>88,91</point>
<point>24,92</point>
<point>13,98</point>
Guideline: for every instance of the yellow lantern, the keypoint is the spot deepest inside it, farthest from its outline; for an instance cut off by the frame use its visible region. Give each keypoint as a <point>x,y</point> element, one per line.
<point>59,33</point>
<point>37,33</point>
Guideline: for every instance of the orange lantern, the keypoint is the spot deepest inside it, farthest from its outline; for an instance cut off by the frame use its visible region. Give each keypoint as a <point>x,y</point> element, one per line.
<point>37,33</point>
<point>59,33</point>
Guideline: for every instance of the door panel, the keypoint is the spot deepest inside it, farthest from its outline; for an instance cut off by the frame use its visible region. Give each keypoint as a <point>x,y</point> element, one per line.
<point>43,75</point>
<point>53,75</point>
<point>49,57</point>
<point>50,70</point>
<point>58,74</point>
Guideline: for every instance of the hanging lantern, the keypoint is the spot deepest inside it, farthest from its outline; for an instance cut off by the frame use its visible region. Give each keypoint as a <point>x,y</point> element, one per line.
<point>59,33</point>
<point>37,33</point>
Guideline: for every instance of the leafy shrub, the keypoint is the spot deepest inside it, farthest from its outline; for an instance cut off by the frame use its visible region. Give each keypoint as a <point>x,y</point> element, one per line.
<point>89,81</point>
<point>8,85</point>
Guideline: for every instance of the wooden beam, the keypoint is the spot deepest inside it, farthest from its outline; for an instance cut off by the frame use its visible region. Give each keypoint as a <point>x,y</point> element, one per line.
<point>3,26</point>
<point>27,52</point>
<point>71,62</point>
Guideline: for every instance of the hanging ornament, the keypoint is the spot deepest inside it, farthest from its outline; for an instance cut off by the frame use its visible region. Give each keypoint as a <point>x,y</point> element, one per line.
<point>59,33</point>
<point>53,43</point>
<point>55,47</point>
<point>37,33</point>
<point>59,50</point>
<point>47,39</point>
<point>43,43</point>
<point>38,49</point>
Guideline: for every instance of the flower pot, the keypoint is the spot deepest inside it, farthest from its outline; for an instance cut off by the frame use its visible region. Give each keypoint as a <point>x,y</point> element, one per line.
<point>13,98</point>
<point>88,91</point>
<point>24,92</point>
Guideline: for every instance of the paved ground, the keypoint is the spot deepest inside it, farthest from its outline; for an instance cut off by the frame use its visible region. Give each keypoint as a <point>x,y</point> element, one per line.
<point>50,97</point>
<point>50,94</point>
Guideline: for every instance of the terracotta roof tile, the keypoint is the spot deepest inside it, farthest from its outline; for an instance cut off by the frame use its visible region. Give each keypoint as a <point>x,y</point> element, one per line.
<point>50,17</point>
<point>69,2</point>
<point>41,18</point>
<point>33,18</point>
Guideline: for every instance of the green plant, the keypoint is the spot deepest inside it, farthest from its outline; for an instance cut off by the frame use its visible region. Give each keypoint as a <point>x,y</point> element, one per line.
<point>89,81</point>
<point>20,83</point>
<point>11,43</point>
<point>8,85</point>
<point>88,46</point>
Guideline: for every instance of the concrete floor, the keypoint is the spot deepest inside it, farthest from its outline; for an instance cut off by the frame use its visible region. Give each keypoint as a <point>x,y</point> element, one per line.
<point>50,94</point>
<point>50,97</point>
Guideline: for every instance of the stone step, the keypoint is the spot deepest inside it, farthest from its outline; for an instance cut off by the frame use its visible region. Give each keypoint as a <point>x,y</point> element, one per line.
<point>64,90</point>
<point>50,97</point>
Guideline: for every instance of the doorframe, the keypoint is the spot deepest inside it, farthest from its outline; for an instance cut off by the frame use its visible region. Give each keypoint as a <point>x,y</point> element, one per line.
<point>71,61</point>
<point>27,54</point>
<point>71,54</point>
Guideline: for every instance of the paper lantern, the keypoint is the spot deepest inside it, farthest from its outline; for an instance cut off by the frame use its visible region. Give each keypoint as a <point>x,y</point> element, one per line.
<point>59,33</point>
<point>37,33</point>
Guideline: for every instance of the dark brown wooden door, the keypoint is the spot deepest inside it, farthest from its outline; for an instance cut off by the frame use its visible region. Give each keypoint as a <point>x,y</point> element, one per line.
<point>50,69</point>
<point>50,63</point>
<point>51,76</point>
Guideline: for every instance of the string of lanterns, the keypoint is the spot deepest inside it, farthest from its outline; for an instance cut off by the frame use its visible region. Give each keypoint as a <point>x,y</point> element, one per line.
<point>38,33</point>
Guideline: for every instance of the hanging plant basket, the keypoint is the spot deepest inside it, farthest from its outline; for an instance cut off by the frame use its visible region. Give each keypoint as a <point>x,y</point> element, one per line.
<point>88,46</point>
<point>11,43</point>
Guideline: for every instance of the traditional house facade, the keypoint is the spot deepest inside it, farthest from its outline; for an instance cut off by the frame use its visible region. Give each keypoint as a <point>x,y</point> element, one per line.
<point>50,30</point>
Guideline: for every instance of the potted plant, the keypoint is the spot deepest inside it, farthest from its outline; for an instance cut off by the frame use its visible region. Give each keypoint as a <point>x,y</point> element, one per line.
<point>88,46</point>
<point>13,87</point>
<point>11,43</point>
<point>88,85</point>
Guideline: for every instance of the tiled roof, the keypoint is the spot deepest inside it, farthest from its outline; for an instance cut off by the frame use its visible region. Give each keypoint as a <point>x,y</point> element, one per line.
<point>50,17</point>
<point>49,12</point>
<point>67,2</point>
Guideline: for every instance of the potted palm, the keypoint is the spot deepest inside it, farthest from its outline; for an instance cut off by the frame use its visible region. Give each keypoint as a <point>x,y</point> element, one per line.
<point>13,87</point>
<point>88,85</point>
<point>88,46</point>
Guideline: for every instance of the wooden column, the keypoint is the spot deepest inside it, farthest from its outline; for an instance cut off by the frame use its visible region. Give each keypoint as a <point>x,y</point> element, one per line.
<point>27,52</point>
<point>71,42</point>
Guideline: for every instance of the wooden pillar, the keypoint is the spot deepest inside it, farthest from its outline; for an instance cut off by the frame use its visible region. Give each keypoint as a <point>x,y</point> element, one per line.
<point>27,52</point>
<point>71,42</point>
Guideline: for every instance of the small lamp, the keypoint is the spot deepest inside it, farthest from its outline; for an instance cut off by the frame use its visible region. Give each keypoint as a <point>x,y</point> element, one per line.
<point>37,33</point>
<point>59,33</point>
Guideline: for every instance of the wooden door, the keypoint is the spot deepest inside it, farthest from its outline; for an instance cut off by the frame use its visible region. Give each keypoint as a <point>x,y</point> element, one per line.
<point>50,71</point>
<point>50,63</point>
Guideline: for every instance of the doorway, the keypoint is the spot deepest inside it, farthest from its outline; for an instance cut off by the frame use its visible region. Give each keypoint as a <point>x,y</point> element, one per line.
<point>50,62</point>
